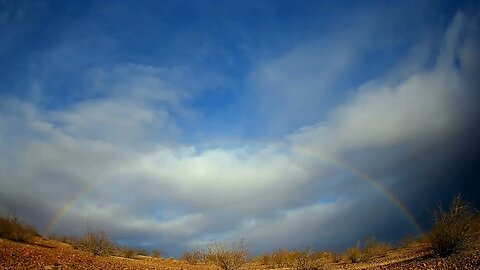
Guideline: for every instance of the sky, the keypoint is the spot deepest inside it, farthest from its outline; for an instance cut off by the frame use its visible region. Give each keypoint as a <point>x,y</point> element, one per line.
<point>168,124</point>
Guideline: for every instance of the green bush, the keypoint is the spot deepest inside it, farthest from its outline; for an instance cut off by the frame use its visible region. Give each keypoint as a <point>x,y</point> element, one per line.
<point>455,230</point>
<point>12,228</point>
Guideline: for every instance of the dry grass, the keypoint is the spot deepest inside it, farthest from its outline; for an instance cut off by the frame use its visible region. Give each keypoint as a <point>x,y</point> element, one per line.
<point>12,228</point>
<point>127,252</point>
<point>280,258</point>
<point>408,241</point>
<point>372,249</point>
<point>226,257</point>
<point>455,230</point>
<point>296,259</point>
<point>156,253</point>
<point>98,243</point>
<point>353,254</point>
<point>196,256</point>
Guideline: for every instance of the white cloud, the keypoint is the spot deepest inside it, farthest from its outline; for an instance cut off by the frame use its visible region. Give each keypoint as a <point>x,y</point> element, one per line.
<point>117,121</point>
<point>425,106</point>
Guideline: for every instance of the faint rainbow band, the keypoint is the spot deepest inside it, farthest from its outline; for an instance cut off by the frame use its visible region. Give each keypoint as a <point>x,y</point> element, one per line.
<point>329,158</point>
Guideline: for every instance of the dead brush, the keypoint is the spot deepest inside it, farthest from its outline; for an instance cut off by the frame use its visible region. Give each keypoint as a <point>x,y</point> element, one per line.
<point>372,249</point>
<point>375,249</point>
<point>296,259</point>
<point>455,230</point>
<point>197,256</point>
<point>227,258</point>
<point>98,243</point>
<point>12,228</point>
<point>306,260</point>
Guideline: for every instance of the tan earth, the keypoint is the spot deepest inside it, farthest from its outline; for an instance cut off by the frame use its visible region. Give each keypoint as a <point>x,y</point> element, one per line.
<point>48,254</point>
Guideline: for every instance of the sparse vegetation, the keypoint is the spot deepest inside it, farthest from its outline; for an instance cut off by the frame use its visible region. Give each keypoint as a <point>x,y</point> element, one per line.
<point>12,228</point>
<point>227,258</point>
<point>454,230</point>
<point>132,252</point>
<point>408,241</point>
<point>308,260</point>
<point>353,254</point>
<point>98,243</point>
<point>126,252</point>
<point>280,258</point>
<point>196,256</point>
<point>298,259</point>
<point>372,249</point>
<point>156,253</point>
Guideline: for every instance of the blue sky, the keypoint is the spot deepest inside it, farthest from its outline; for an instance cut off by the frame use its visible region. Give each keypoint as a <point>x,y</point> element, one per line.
<point>199,120</point>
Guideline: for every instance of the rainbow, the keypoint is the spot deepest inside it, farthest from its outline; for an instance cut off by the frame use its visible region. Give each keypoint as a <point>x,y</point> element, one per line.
<point>68,206</point>
<point>329,158</point>
<point>369,179</point>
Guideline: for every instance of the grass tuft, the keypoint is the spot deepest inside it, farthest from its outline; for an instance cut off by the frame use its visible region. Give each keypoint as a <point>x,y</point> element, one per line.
<point>12,228</point>
<point>227,258</point>
<point>98,243</point>
<point>455,230</point>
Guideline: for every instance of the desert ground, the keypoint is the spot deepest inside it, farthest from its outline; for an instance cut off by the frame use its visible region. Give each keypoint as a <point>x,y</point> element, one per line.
<point>46,254</point>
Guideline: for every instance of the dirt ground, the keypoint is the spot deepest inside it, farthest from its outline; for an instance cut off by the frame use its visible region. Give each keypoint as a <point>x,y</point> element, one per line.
<point>47,254</point>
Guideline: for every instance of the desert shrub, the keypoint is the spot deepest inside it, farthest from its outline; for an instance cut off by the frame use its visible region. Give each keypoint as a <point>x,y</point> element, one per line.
<point>336,257</point>
<point>408,241</point>
<point>296,259</point>
<point>280,258</point>
<point>353,254</point>
<point>195,256</point>
<point>141,251</point>
<point>72,241</point>
<point>130,252</point>
<point>308,260</point>
<point>97,243</point>
<point>126,252</point>
<point>454,230</point>
<point>12,228</point>
<point>374,249</point>
<point>156,253</point>
<point>227,258</point>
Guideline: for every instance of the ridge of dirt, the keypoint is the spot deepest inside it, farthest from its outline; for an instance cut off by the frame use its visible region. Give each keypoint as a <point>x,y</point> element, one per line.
<point>47,254</point>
